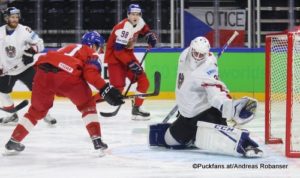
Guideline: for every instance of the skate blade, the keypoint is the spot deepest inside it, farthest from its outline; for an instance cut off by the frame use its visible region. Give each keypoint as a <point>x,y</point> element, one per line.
<point>140,118</point>
<point>10,152</point>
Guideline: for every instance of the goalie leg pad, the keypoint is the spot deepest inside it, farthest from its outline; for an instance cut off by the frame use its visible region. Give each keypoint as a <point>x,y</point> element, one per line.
<point>157,134</point>
<point>222,139</point>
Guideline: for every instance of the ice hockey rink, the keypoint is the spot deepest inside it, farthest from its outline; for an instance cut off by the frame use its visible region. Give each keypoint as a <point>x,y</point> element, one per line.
<point>65,150</point>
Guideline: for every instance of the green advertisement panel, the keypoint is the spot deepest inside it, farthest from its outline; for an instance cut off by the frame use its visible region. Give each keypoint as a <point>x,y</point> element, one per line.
<point>240,71</point>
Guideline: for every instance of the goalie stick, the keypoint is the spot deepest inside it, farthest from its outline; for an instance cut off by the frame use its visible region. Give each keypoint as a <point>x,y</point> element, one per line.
<point>110,114</point>
<point>175,108</point>
<point>171,113</point>
<point>17,108</point>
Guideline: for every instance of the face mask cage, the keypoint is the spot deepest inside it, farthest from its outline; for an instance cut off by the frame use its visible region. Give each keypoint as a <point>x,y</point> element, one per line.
<point>197,55</point>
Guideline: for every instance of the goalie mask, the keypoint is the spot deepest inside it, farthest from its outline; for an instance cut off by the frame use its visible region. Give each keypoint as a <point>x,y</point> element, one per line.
<point>199,49</point>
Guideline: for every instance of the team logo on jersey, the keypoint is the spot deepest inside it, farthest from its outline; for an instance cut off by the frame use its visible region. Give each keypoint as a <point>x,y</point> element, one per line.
<point>10,51</point>
<point>180,80</point>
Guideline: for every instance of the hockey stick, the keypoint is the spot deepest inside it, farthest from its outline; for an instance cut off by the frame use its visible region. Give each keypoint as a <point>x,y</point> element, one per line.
<point>156,88</point>
<point>154,93</point>
<point>17,108</point>
<point>6,72</point>
<point>233,36</point>
<point>110,114</point>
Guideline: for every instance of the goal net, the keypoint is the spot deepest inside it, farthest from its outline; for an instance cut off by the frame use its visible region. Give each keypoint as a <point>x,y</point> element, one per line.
<point>282,106</point>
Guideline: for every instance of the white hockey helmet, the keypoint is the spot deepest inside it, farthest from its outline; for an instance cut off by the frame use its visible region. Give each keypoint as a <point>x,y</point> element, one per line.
<point>199,48</point>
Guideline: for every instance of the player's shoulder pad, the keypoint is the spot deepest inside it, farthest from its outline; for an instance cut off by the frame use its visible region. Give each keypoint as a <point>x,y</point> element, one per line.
<point>86,49</point>
<point>140,24</point>
<point>25,28</point>
<point>212,58</point>
<point>28,31</point>
<point>128,26</point>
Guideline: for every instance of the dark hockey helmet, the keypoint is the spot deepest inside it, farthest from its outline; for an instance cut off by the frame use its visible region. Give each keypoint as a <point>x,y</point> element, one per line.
<point>11,11</point>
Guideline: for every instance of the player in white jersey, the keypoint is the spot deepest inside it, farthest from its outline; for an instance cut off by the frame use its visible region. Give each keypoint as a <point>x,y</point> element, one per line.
<point>18,44</point>
<point>205,106</point>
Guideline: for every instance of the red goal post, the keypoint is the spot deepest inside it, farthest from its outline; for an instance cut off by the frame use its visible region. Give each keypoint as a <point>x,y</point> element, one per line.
<point>282,91</point>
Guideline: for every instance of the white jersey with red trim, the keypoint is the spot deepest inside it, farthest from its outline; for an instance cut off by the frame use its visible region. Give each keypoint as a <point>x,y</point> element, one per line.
<point>12,48</point>
<point>198,87</point>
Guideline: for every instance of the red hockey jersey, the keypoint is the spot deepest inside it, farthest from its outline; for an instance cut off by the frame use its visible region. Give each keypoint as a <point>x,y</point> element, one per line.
<point>76,59</point>
<point>126,34</point>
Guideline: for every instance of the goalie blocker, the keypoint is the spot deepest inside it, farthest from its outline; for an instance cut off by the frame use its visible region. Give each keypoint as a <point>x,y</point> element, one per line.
<point>209,131</point>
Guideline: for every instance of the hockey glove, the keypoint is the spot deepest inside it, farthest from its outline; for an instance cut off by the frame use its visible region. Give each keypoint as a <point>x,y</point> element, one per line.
<point>244,110</point>
<point>151,39</point>
<point>111,95</point>
<point>135,67</point>
<point>27,57</point>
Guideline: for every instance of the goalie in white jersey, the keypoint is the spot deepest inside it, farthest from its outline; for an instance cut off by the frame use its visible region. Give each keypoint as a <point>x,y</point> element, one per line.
<point>205,106</point>
<point>18,44</point>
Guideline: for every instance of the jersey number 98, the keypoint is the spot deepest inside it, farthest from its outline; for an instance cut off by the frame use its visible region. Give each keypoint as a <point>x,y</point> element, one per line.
<point>124,34</point>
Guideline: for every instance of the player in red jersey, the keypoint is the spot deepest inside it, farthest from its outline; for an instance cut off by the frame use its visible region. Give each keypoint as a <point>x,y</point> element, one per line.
<point>67,72</point>
<point>121,60</point>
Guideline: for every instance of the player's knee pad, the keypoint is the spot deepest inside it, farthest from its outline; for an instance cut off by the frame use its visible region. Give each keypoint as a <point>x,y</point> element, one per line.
<point>143,83</point>
<point>157,134</point>
<point>171,142</point>
<point>88,108</point>
<point>222,139</point>
<point>5,100</point>
<point>160,136</point>
<point>118,84</point>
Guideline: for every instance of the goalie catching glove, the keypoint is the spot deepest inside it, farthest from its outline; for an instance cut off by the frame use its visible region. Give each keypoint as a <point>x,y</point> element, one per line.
<point>111,95</point>
<point>245,109</point>
<point>241,111</point>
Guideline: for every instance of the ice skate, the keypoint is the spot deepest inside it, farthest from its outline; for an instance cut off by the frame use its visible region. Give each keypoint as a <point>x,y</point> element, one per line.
<point>13,147</point>
<point>99,145</point>
<point>13,118</point>
<point>50,120</point>
<point>139,114</point>
<point>253,152</point>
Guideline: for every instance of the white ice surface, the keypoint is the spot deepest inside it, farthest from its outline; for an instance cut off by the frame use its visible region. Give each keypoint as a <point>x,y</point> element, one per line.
<point>65,150</point>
